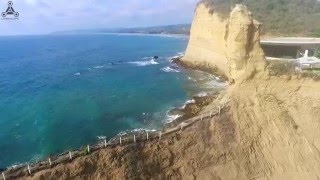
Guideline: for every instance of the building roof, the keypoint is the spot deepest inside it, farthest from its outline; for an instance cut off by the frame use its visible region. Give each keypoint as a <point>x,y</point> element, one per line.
<point>291,41</point>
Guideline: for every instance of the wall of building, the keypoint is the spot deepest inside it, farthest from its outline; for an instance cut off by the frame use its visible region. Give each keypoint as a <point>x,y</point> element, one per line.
<point>280,51</point>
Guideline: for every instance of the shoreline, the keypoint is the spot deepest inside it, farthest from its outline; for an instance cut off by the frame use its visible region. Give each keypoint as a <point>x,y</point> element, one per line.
<point>211,70</point>
<point>191,109</point>
<point>122,142</point>
<point>125,143</point>
<point>199,102</point>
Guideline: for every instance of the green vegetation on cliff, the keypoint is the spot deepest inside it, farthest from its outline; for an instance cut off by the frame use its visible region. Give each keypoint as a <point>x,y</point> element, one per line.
<point>279,17</point>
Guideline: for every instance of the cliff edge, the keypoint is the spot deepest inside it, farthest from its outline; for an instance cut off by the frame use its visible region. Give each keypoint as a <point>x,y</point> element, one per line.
<point>268,128</point>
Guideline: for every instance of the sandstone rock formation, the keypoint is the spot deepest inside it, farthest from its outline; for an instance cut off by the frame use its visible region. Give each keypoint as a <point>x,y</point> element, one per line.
<point>207,43</point>
<point>244,54</point>
<point>232,45</point>
<point>268,130</point>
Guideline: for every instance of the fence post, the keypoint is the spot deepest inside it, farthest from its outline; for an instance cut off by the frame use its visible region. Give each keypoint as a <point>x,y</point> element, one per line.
<point>160,135</point>
<point>50,162</point>
<point>219,110</point>
<point>29,170</point>
<point>4,177</point>
<point>70,155</point>
<point>105,143</point>
<point>120,140</point>
<point>88,148</point>
<point>134,138</point>
<point>147,136</point>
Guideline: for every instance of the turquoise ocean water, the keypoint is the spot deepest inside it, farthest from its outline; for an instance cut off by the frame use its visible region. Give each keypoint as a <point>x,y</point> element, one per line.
<point>59,92</point>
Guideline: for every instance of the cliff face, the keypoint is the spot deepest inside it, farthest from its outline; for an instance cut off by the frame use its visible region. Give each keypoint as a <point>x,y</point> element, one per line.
<point>269,128</point>
<point>207,43</point>
<point>232,44</point>
<point>243,51</point>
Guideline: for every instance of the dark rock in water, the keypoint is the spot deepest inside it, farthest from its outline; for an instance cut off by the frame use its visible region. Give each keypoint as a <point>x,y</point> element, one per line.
<point>155,57</point>
<point>176,111</point>
<point>2,169</point>
<point>177,60</point>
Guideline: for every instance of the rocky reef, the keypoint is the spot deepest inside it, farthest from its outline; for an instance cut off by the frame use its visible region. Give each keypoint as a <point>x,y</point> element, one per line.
<point>269,128</point>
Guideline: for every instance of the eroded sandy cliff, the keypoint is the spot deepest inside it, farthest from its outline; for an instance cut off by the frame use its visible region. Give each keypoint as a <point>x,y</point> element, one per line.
<point>266,132</point>
<point>207,43</point>
<point>270,128</point>
<point>231,44</point>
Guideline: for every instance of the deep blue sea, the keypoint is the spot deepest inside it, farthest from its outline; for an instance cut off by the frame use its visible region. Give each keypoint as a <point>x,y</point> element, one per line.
<point>60,92</point>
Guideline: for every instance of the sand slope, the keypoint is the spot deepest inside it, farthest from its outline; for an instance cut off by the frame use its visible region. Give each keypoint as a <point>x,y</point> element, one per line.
<point>269,128</point>
<point>266,132</point>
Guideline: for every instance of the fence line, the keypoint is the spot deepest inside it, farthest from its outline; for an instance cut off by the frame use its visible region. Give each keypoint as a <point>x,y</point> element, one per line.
<point>11,173</point>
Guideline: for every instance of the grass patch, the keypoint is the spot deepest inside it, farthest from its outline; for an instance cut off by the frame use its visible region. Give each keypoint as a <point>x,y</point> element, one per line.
<point>313,74</point>
<point>278,68</point>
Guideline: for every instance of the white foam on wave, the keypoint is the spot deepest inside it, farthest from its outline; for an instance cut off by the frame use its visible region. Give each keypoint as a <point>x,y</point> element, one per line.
<point>98,67</point>
<point>16,165</point>
<point>170,59</point>
<point>171,118</point>
<point>202,94</point>
<point>77,74</point>
<point>181,53</point>
<point>101,137</point>
<point>122,133</point>
<point>143,129</point>
<point>144,63</point>
<point>147,57</point>
<point>188,102</point>
<point>215,84</point>
<point>178,55</point>
<point>169,69</point>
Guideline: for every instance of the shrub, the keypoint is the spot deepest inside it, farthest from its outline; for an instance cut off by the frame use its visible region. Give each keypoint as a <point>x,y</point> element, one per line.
<point>278,68</point>
<point>285,17</point>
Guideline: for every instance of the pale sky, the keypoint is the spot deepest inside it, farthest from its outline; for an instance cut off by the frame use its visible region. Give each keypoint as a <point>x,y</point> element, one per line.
<point>45,16</point>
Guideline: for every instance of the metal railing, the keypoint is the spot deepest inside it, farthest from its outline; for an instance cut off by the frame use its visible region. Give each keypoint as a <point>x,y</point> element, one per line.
<point>130,138</point>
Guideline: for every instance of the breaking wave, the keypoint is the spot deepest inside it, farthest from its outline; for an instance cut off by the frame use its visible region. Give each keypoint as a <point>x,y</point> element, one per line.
<point>144,63</point>
<point>171,118</point>
<point>169,69</point>
<point>202,94</point>
<point>188,102</point>
<point>98,67</point>
<point>138,130</point>
<point>102,137</point>
<point>147,57</point>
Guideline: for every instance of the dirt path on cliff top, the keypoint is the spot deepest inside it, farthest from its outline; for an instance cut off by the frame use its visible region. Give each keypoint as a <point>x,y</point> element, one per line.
<point>270,130</point>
